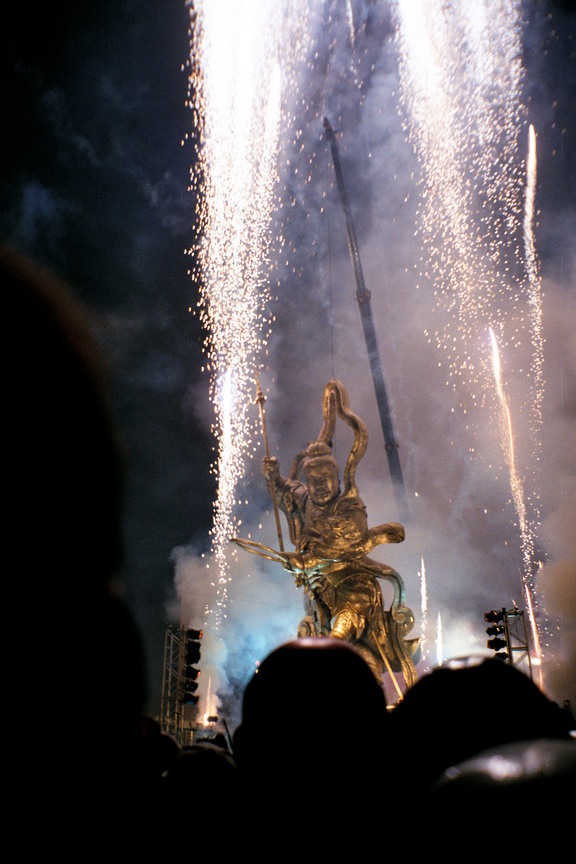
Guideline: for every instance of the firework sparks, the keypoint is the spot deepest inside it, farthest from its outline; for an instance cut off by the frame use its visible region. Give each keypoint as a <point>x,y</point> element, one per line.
<point>234,91</point>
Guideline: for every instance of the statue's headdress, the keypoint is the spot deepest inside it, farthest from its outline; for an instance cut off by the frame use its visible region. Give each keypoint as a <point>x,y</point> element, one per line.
<point>335,402</point>
<point>316,452</point>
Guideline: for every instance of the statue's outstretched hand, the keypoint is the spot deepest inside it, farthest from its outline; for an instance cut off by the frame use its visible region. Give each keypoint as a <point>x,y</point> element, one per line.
<point>270,468</point>
<point>294,564</point>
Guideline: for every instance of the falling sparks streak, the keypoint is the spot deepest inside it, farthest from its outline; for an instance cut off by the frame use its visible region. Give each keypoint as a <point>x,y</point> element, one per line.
<point>508,441</point>
<point>234,92</point>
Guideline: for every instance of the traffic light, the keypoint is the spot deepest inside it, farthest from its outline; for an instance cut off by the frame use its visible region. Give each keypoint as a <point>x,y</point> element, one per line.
<point>496,630</point>
<point>192,656</point>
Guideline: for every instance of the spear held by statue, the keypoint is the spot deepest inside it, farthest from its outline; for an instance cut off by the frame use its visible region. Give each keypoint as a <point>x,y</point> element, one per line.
<point>260,399</point>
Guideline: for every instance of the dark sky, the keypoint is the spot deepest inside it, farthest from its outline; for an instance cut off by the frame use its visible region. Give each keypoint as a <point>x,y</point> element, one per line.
<point>94,183</point>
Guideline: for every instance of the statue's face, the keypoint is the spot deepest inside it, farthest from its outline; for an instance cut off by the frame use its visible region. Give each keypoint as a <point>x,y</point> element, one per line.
<point>322,481</point>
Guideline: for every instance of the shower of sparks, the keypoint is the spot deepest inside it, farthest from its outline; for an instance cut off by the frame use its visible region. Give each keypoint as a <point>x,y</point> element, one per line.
<point>236,70</point>
<point>461,77</point>
<point>439,642</point>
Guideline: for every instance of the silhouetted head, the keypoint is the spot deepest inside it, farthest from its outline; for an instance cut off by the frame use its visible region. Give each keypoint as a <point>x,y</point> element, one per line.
<point>305,703</point>
<point>533,778</point>
<point>451,714</point>
<point>310,677</point>
<point>311,747</point>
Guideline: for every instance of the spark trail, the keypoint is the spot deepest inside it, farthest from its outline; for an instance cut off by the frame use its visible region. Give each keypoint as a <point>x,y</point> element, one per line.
<point>508,447</point>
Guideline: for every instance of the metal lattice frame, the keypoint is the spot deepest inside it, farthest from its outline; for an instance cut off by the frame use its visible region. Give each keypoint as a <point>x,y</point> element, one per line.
<point>176,719</point>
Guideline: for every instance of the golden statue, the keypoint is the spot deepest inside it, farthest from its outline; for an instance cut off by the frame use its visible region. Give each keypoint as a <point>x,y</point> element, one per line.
<point>329,530</point>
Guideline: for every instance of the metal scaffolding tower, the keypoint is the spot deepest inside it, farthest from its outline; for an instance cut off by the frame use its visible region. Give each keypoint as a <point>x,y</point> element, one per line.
<point>508,630</point>
<point>177,718</point>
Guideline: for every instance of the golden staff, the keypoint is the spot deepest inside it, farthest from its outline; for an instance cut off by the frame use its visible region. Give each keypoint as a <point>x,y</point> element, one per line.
<point>388,667</point>
<point>260,399</point>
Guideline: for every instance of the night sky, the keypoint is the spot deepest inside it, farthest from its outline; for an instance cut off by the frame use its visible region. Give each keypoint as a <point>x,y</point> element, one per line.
<point>94,183</point>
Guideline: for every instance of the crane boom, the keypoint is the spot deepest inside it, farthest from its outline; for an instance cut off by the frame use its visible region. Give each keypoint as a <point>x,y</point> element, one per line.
<point>363,297</point>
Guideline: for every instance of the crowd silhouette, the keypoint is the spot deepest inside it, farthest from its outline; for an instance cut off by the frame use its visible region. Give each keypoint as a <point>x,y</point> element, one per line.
<point>318,767</point>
